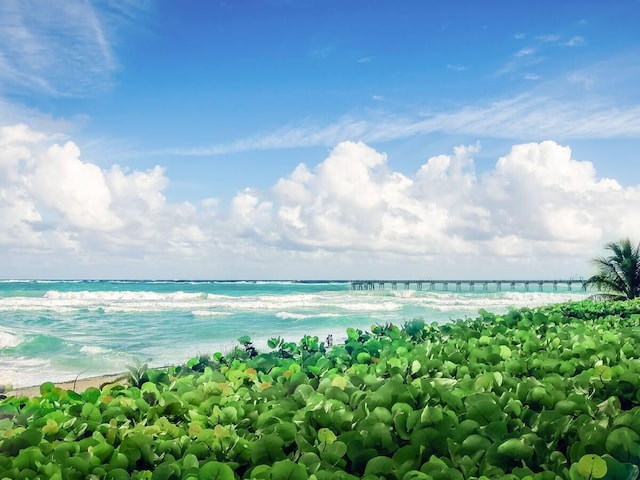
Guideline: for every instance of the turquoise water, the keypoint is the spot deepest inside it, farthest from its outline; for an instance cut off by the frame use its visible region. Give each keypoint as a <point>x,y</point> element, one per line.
<point>56,330</point>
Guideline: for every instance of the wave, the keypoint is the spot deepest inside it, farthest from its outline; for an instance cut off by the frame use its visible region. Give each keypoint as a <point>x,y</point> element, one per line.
<point>210,313</point>
<point>495,300</point>
<point>28,280</point>
<point>9,340</point>
<point>316,303</point>
<point>37,345</point>
<point>103,295</point>
<point>93,350</point>
<point>304,316</point>
<point>184,282</point>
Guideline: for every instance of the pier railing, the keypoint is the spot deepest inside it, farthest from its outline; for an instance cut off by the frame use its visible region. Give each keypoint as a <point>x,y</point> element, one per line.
<point>468,285</point>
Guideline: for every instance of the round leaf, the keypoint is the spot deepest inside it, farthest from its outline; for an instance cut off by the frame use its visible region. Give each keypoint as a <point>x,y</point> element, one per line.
<point>592,466</point>
<point>216,471</point>
<point>287,470</point>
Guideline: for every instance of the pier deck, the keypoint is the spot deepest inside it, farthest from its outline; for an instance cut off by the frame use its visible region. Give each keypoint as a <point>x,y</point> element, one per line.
<point>468,285</point>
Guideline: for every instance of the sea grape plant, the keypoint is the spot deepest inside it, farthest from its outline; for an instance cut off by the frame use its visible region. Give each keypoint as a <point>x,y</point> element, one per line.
<point>531,394</point>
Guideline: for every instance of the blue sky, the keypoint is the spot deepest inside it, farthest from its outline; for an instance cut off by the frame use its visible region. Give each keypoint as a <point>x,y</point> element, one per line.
<point>316,139</point>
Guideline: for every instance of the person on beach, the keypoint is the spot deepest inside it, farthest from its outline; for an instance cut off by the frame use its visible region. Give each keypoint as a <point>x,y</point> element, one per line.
<point>329,340</point>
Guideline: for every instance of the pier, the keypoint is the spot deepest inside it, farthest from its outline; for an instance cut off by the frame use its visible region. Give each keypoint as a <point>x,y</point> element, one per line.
<point>468,285</point>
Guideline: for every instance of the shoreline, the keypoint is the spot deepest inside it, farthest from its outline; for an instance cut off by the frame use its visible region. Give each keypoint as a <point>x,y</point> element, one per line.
<point>78,386</point>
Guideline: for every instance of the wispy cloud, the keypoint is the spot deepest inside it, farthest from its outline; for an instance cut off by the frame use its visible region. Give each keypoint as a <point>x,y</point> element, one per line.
<point>576,41</point>
<point>456,68</point>
<point>540,49</point>
<point>586,80</point>
<point>524,117</point>
<point>550,38</point>
<point>531,76</point>
<point>525,52</point>
<point>322,52</point>
<point>365,60</point>
<point>60,49</point>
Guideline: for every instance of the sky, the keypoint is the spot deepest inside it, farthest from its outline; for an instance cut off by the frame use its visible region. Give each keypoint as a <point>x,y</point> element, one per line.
<point>317,139</point>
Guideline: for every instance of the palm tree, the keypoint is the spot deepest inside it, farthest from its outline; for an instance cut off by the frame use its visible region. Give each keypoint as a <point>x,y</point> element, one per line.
<point>618,274</point>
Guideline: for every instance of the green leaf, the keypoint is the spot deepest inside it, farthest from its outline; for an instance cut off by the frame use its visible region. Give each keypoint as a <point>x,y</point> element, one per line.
<point>326,436</point>
<point>287,470</point>
<point>381,466</point>
<point>505,352</point>
<point>267,449</point>
<point>190,461</point>
<point>516,448</point>
<point>623,444</point>
<point>118,474</point>
<point>602,373</point>
<point>164,471</point>
<point>620,471</point>
<point>485,411</point>
<point>592,466</point>
<point>431,415</point>
<point>47,387</point>
<point>474,443</point>
<point>216,471</point>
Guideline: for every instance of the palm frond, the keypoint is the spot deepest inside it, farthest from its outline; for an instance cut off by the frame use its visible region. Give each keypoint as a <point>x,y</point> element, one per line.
<point>618,274</point>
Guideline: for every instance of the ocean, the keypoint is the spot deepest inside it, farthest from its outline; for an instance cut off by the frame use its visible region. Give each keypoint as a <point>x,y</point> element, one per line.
<point>58,330</point>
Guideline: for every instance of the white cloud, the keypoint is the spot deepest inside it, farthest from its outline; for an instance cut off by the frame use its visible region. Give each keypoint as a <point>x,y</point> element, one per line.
<point>53,199</point>
<point>58,179</point>
<point>537,202</point>
<point>587,81</point>
<point>550,38</point>
<point>525,52</point>
<point>59,48</point>
<point>351,213</point>
<point>576,41</point>
<point>526,116</point>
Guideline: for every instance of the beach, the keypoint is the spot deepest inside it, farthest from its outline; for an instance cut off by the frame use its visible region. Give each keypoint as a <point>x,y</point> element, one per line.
<point>78,386</point>
<point>62,330</point>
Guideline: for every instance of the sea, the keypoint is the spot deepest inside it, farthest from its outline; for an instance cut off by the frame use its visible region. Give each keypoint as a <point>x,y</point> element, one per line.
<point>59,330</point>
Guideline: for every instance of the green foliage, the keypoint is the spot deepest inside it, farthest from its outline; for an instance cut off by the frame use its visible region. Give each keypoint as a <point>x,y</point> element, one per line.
<point>531,394</point>
<point>618,274</point>
<point>136,374</point>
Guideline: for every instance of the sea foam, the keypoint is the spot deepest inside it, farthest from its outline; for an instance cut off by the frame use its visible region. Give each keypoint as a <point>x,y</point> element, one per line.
<point>9,340</point>
<point>52,331</point>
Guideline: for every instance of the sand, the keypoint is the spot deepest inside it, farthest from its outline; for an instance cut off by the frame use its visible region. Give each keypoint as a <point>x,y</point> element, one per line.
<point>79,385</point>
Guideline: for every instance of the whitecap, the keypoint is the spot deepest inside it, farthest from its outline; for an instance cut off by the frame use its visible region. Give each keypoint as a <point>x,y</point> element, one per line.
<point>9,340</point>
<point>93,350</point>
<point>304,316</point>
<point>210,313</point>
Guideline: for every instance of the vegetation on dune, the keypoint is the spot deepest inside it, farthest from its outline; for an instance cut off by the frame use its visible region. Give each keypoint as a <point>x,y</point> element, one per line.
<point>619,273</point>
<point>532,394</point>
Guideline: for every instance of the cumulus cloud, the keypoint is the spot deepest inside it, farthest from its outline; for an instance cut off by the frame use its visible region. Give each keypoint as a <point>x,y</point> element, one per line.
<point>347,215</point>
<point>52,199</point>
<point>536,201</point>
